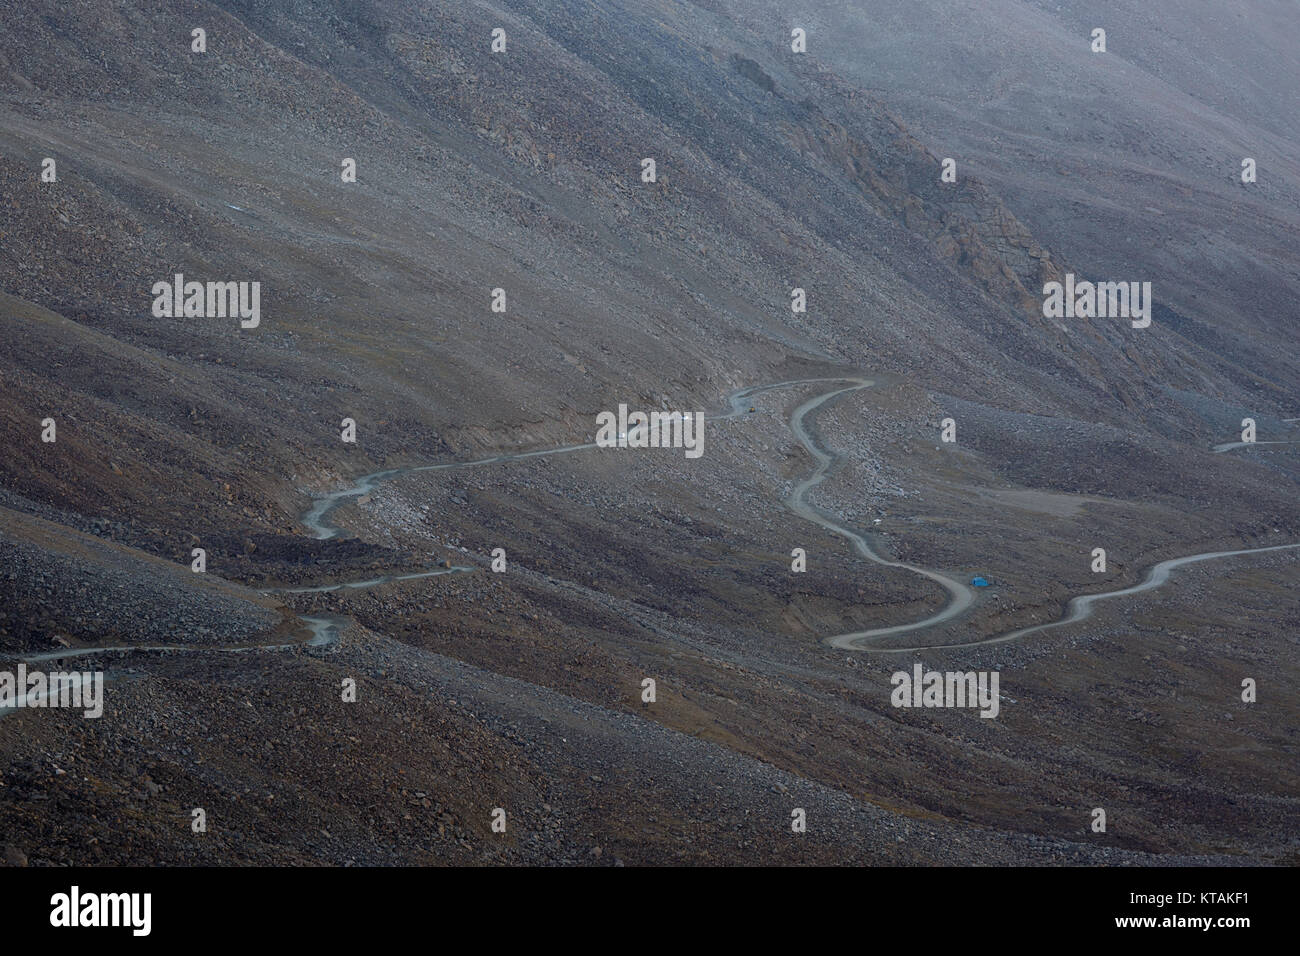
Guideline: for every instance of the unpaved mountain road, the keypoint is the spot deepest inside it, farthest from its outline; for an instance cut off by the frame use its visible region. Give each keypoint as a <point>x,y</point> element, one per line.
<point>960,596</point>
<point>324,631</point>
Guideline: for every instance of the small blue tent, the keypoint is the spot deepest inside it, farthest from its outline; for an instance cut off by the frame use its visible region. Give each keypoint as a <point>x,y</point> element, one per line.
<point>979,582</point>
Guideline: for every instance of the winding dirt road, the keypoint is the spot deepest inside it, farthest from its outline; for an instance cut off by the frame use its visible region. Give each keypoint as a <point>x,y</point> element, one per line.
<point>324,631</point>
<point>960,595</point>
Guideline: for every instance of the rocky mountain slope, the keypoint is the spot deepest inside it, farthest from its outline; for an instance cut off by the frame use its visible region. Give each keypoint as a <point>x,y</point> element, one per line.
<point>521,170</point>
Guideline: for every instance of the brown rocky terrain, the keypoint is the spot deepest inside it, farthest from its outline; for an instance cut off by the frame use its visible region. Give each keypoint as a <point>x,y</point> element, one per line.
<point>522,689</point>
